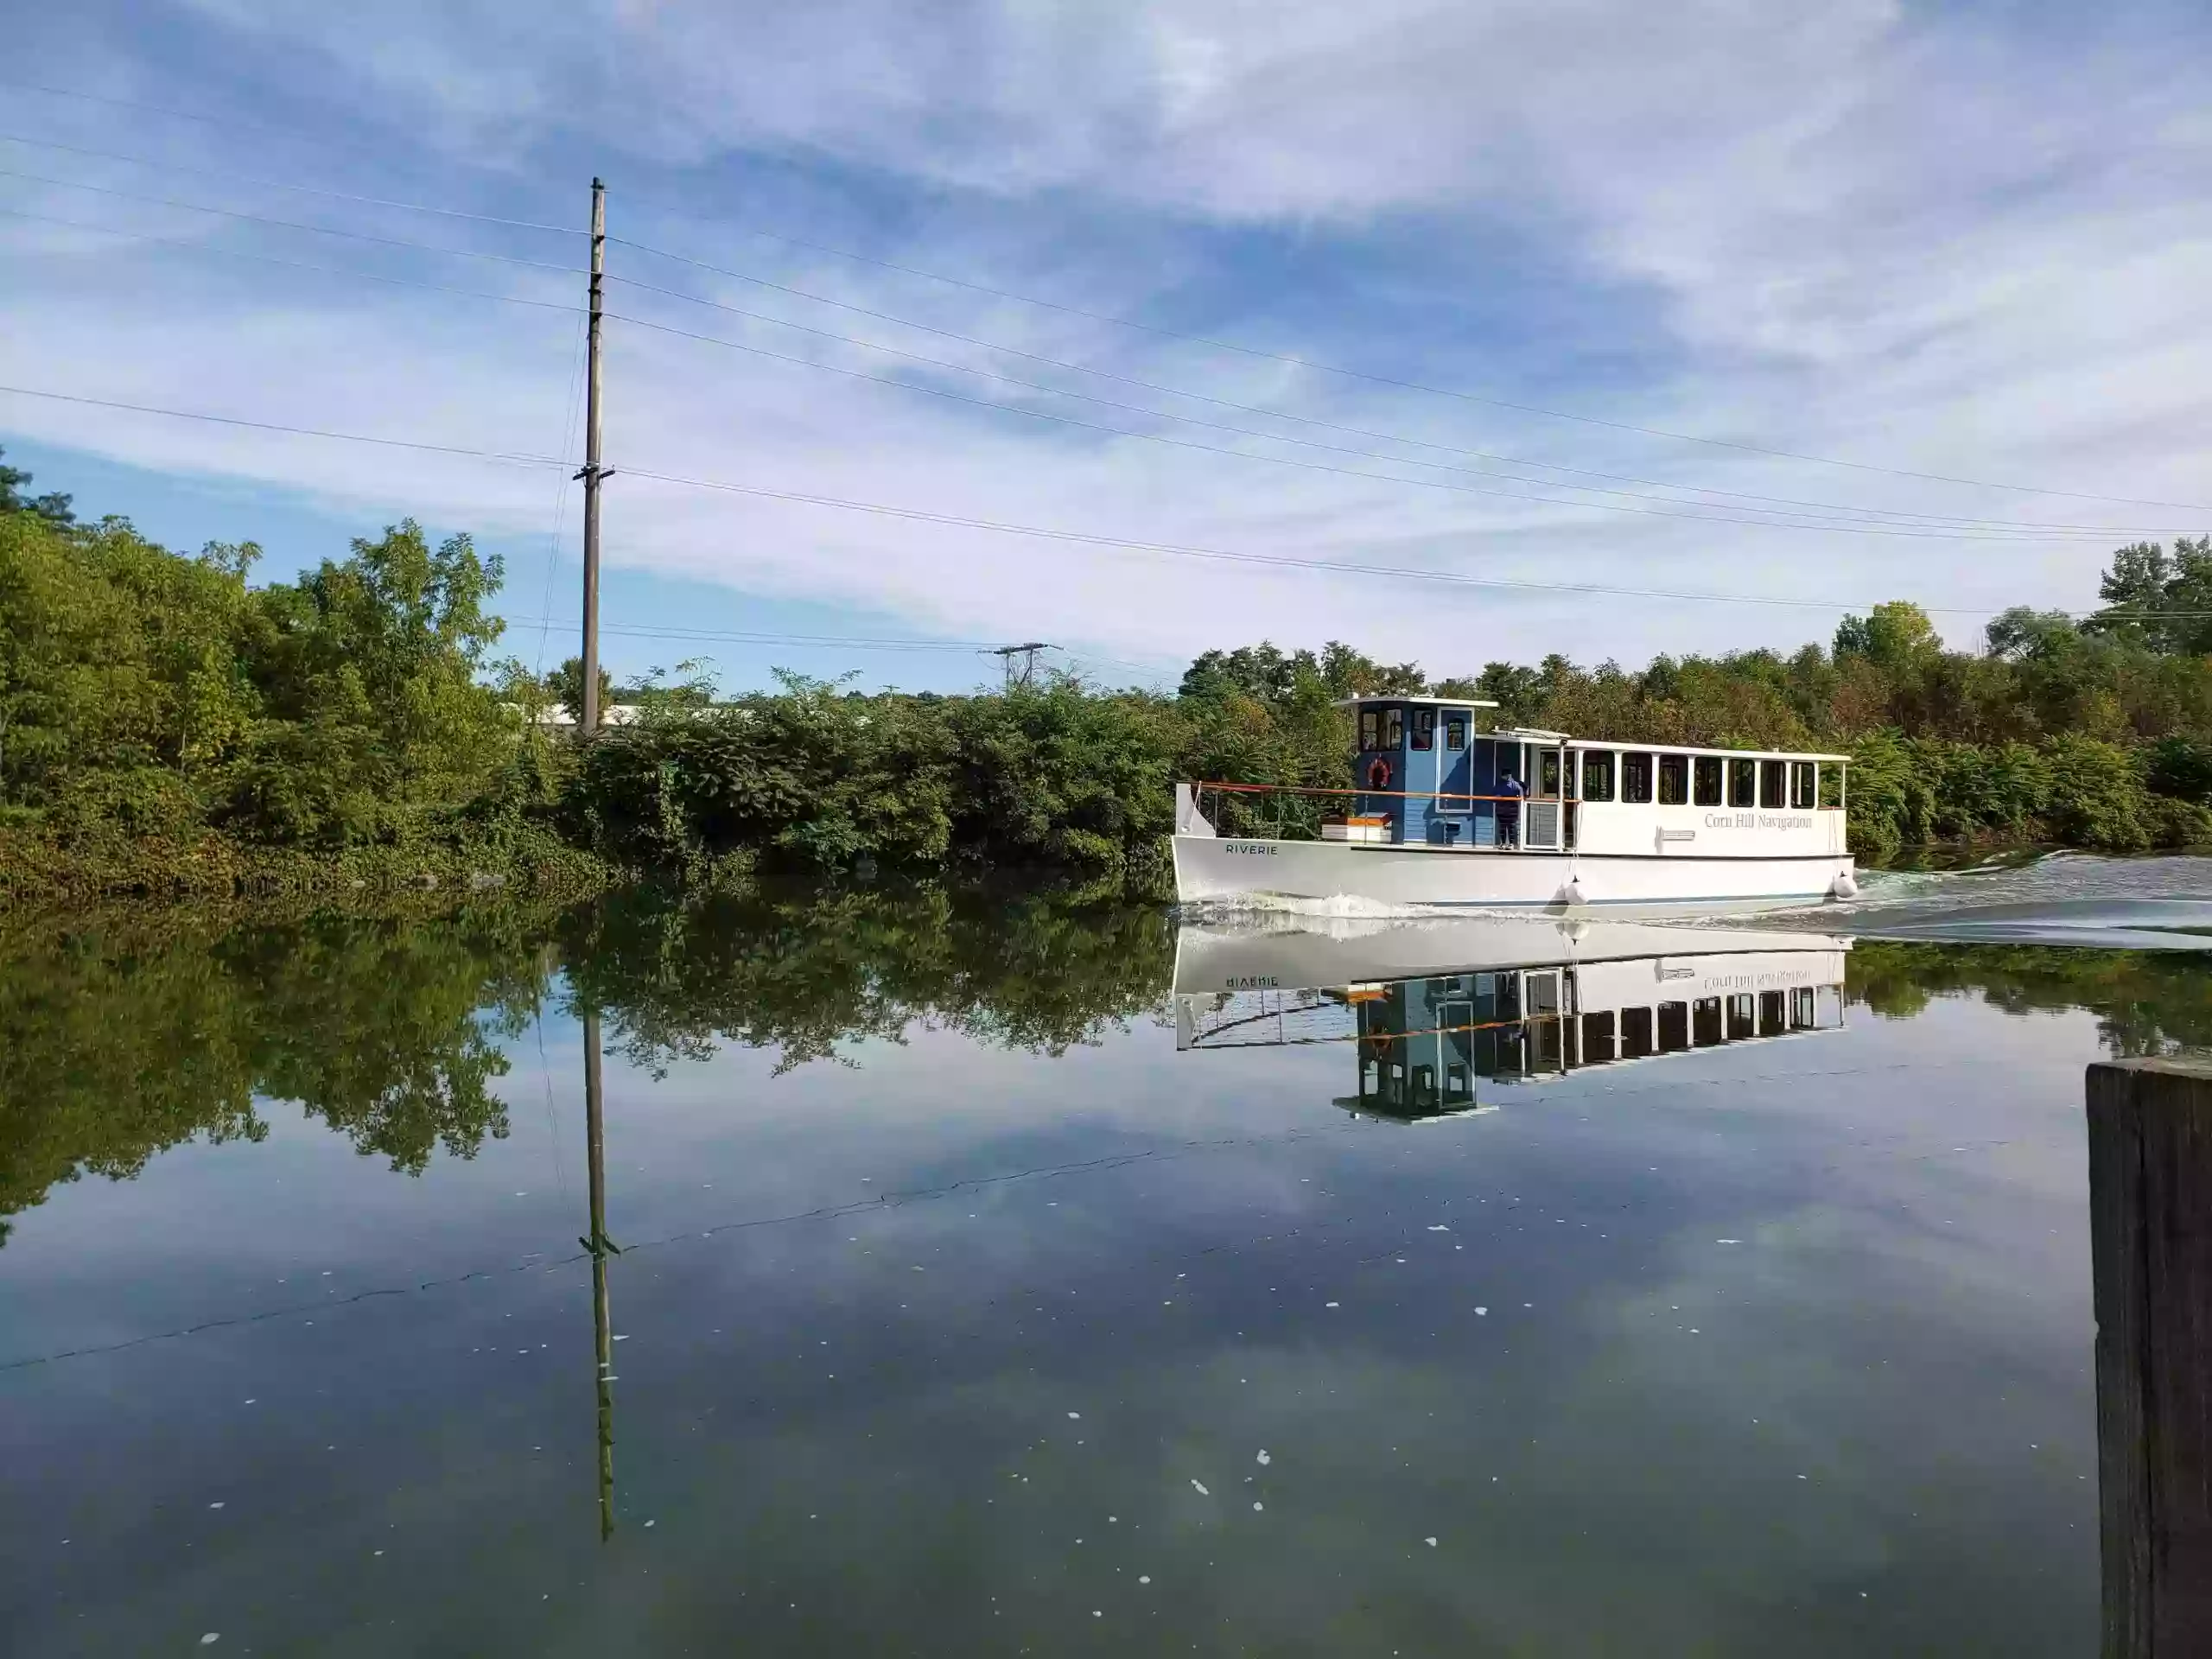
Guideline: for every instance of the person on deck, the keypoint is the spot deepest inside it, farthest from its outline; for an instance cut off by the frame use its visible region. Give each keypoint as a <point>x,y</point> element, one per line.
<point>1508,811</point>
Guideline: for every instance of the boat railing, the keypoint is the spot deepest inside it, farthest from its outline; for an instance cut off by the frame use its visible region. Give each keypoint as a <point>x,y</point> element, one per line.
<point>1296,811</point>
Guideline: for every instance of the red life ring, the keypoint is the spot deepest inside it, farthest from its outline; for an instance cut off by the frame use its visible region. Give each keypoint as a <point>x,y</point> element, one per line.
<point>1378,774</point>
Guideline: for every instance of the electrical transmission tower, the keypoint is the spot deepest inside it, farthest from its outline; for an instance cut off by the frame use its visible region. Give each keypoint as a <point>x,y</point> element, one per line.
<point>1027,652</point>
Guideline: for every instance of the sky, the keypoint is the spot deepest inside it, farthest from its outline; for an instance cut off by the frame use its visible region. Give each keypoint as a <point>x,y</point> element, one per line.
<point>1466,333</point>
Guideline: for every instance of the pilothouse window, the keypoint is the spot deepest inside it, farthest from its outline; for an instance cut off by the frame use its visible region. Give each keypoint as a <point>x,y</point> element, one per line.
<point>1369,729</point>
<point>1707,775</point>
<point>1424,728</point>
<point>1674,779</point>
<point>1455,732</point>
<point>1394,728</point>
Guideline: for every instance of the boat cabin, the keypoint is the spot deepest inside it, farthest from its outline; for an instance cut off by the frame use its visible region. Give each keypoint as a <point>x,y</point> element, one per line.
<point>1424,774</point>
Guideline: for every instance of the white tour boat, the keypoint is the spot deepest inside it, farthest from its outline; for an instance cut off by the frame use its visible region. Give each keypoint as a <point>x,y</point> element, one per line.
<point>1441,813</point>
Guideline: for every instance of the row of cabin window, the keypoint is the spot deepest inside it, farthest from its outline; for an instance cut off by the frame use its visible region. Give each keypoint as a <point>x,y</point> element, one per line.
<point>1385,730</point>
<point>1700,779</point>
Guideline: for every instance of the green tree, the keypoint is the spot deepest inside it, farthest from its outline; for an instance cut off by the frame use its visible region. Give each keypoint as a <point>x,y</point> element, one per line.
<point>566,684</point>
<point>54,507</point>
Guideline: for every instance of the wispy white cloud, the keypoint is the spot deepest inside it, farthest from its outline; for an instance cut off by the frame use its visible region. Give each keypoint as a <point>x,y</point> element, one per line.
<point>1845,229</point>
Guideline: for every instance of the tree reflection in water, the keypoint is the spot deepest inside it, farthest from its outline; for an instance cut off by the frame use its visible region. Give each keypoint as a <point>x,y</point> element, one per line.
<point>122,1036</point>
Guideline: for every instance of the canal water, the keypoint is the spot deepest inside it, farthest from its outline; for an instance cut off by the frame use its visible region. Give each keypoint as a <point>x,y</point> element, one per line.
<point>988,1274</point>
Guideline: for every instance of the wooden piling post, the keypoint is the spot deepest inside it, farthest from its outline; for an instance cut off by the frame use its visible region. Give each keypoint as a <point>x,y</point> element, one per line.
<point>2151,1237</point>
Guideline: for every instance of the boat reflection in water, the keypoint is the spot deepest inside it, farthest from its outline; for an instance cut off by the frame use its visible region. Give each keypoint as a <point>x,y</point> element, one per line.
<point>1434,1006</point>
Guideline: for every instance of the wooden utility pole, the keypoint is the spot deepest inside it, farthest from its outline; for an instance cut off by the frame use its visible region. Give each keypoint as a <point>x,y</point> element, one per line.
<point>1027,651</point>
<point>591,474</point>
<point>2151,1243</point>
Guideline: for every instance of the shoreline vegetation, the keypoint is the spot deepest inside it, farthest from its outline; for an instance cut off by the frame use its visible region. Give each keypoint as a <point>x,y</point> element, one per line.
<point>168,729</point>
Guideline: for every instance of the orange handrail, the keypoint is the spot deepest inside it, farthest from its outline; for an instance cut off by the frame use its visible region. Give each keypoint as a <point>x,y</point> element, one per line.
<point>1407,794</point>
<point>1449,795</point>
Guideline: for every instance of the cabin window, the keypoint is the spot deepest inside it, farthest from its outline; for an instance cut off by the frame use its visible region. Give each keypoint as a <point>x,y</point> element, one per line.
<point>1771,1016</point>
<point>1674,1027</point>
<point>1801,1008</point>
<point>1704,1021</point>
<point>1674,779</point>
<point>1743,1016</point>
<point>1424,728</point>
<point>1705,773</point>
<point>1547,774</point>
<point>1394,728</point>
<point>1801,791</point>
<point>1597,775</point>
<point>1636,778</point>
<point>1370,729</point>
<point>1636,1040</point>
<point>1771,773</point>
<point>1743,783</point>
<point>1597,1038</point>
<point>1455,732</point>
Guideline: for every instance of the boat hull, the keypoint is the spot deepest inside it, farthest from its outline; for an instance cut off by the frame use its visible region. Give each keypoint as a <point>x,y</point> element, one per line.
<point>1225,870</point>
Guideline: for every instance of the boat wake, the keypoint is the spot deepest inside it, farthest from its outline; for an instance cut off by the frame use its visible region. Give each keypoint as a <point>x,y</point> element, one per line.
<point>2076,898</point>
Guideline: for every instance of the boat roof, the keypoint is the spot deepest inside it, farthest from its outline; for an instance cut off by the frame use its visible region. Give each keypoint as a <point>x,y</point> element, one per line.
<point>1529,734</point>
<point>1648,746</point>
<point>1400,696</point>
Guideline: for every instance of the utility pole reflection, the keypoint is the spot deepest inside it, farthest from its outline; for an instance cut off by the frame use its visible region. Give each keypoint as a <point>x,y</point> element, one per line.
<point>601,1247</point>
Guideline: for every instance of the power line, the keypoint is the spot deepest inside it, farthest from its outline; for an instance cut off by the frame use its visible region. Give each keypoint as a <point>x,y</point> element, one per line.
<point>1278,415</point>
<point>2011,531</point>
<point>196,246</point>
<point>1319,466</point>
<point>1278,561</point>
<point>1040,532</point>
<point>156,109</point>
<point>711,636</point>
<point>294,431</point>
<point>282,184</point>
<point>291,224</point>
<point>1415,385</point>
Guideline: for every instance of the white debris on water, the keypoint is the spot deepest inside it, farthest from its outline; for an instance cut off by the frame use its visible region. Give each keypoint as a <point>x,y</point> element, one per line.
<point>1199,1487</point>
<point>217,1505</point>
<point>1727,1241</point>
<point>1264,1458</point>
<point>1144,1578</point>
<point>1331,1304</point>
<point>1439,1228</point>
<point>211,1638</point>
<point>1075,1416</point>
<point>1431,1542</point>
<point>1257,1505</point>
<point>1481,1312</point>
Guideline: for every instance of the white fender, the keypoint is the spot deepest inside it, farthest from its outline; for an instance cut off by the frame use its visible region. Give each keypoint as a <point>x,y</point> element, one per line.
<point>1572,893</point>
<point>1843,887</point>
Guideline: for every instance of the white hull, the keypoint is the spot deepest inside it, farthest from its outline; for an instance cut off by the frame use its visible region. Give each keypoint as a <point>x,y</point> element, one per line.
<point>1210,869</point>
<point>1291,953</point>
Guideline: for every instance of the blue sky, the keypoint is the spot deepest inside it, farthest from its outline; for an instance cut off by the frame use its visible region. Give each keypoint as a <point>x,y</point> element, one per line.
<point>1970,241</point>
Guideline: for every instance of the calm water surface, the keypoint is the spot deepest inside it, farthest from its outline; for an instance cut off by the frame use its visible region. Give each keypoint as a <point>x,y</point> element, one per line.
<point>988,1283</point>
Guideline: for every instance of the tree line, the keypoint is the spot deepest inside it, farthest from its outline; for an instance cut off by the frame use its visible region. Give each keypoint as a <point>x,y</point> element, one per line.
<point>167,722</point>
<point>128,1031</point>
